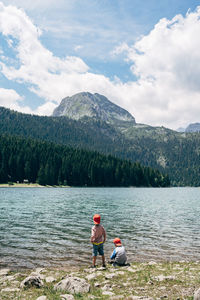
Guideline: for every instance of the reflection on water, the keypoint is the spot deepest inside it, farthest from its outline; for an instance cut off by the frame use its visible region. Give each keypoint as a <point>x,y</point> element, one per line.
<point>44,227</point>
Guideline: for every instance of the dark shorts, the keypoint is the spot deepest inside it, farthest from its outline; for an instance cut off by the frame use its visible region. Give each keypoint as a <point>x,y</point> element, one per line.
<point>98,249</point>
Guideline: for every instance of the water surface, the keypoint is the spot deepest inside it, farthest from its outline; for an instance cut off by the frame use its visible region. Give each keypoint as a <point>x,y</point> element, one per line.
<point>51,226</point>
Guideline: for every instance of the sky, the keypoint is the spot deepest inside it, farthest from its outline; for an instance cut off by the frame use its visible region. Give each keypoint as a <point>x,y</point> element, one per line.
<point>142,55</point>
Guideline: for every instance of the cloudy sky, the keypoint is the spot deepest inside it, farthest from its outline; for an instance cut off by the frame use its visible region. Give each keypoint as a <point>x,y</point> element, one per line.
<point>142,55</point>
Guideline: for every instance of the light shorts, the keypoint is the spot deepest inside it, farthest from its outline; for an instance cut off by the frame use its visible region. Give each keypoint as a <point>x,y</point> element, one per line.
<point>98,248</point>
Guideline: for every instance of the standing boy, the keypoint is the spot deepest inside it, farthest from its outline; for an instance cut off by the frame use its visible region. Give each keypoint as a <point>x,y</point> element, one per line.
<point>98,238</point>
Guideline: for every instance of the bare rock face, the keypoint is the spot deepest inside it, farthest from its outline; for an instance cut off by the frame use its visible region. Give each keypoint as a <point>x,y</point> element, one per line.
<point>94,106</point>
<point>73,285</point>
<point>32,281</point>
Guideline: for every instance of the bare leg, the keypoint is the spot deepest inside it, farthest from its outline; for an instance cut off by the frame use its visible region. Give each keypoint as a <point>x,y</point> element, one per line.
<point>103,261</point>
<point>94,261</point>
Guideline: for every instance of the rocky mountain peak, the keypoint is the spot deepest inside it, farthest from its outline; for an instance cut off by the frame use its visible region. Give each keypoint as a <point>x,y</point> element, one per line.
<point>95,106</point>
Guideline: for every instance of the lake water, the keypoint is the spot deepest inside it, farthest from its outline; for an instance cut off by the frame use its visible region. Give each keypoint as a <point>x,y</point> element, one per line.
<point>51,226</point>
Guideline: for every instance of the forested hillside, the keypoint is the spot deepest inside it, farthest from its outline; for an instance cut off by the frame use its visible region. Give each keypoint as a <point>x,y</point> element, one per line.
<point>173,153</point>
<point>50,164</point>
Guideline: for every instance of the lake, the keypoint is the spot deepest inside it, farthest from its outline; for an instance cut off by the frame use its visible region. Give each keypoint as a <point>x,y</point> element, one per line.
<point>51,226</point>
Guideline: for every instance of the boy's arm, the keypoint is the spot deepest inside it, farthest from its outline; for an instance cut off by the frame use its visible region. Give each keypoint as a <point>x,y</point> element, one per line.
<point>104,235</point>
<point>113,254</point>
<point>92,235</point>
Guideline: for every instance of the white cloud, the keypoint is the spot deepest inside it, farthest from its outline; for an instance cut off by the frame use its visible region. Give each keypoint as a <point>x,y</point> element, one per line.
<point>11,99</point>
<point>166,62</point>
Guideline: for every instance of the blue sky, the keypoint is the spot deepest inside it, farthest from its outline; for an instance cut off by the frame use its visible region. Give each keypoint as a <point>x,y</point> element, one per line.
<point>142,55</point>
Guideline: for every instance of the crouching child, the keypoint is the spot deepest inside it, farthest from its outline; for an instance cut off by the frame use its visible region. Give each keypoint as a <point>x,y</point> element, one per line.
<point>118,257</point>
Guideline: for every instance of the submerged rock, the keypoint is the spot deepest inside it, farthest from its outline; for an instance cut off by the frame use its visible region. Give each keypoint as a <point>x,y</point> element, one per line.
<point>73,285</point>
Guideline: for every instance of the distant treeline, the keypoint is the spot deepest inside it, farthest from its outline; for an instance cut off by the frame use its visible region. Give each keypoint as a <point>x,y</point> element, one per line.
<point>51,164</point>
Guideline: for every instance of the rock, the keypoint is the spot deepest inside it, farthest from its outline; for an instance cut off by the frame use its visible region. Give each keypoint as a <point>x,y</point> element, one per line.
<point>4,272</point>
<point>108,293</point>
<point>118,297</point>
<point>67,297</point>
<point>110,276</point>
<point>91,276</point>
<point>139,298</point>
<point>97,284</point>
<point>151,263</point>
<point>73,285</point>
<point>106,287</point>
<point>131,270</point>
<point>162,278</point>
<point>42,298</point>
<point>32,281</point>
<point>120,273</point>
<point>8,290</point>
<point>50,279</point>
<point>197,295</point>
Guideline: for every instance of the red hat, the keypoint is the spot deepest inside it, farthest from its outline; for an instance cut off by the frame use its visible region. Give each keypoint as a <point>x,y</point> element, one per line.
<point>117,242</point>
<point>97,219</point>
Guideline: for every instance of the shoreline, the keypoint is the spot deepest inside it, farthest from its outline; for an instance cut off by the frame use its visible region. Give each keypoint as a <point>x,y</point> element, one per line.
<point>147,280</point>
<point>30,185</point>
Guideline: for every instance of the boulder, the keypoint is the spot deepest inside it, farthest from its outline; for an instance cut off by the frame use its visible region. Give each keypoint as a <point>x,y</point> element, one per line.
<point>73,285</point>
<point>32,281</point>
<point>197,295</point>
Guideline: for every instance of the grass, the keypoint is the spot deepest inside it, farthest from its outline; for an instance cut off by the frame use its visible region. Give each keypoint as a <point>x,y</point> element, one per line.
<point>178,280</point>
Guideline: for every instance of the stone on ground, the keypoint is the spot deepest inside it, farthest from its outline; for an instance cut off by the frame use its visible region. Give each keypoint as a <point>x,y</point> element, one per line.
<point>32,281</point>
<point>73,285</point>
<point>197,295</point>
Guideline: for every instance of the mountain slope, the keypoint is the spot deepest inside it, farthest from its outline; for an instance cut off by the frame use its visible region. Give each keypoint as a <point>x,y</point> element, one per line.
<point>194,127</point>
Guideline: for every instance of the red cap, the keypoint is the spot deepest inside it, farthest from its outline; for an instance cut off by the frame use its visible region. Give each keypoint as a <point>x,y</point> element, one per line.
<point>97,219</point>
<point>117,241</point>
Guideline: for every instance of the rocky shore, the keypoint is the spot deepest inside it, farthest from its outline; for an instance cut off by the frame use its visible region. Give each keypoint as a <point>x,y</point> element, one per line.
<point>146,281</point>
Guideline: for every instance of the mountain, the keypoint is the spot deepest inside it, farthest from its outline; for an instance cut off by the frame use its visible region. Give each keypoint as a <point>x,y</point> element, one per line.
<point>194,127</point>
<point>94,106</point>
<point>173,153</point>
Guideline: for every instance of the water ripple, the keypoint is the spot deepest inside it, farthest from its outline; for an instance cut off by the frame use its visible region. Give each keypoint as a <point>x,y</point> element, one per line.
<point>45,227</point>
